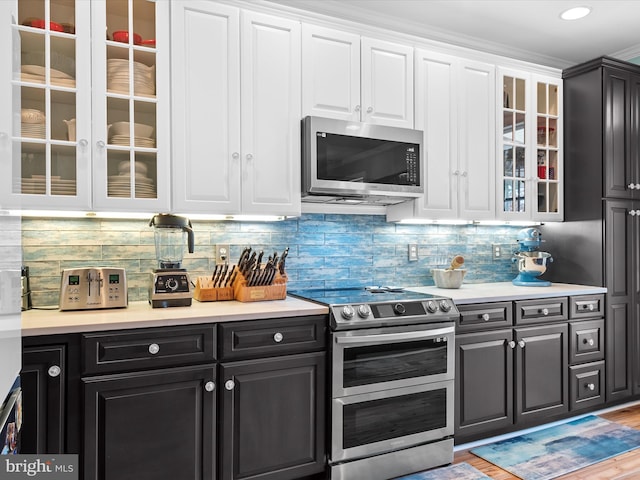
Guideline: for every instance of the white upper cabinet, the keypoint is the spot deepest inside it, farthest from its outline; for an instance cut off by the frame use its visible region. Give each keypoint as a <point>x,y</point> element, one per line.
<point>529,134</point>
<point>45,123</point>
<point>348,77</point>
<point>77,67</point>
<point>236,138</point>
<point>455,108</point>
<point>130,105</point>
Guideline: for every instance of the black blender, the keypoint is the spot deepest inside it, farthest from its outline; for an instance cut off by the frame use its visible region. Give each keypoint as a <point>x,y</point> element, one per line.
<point>531,262</point>
<point>170,284</point>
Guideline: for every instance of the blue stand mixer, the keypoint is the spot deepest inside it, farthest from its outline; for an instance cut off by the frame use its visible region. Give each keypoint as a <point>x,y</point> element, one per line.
<point>531,262</point>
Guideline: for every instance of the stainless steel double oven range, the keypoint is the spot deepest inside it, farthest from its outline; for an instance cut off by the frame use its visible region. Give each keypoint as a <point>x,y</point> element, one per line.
<point>392,380</point>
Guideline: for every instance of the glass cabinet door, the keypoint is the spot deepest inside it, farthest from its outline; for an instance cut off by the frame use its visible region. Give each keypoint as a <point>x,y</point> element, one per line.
<point>514,144</point>
<point>50,129</point>
<point>547,148</point>
<point>130,171</point>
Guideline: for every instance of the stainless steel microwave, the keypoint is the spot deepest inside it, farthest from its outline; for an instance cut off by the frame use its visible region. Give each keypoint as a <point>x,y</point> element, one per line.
<point>354,162</point>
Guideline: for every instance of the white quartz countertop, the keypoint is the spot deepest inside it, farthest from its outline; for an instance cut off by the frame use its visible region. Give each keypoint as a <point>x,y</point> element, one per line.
<point>141,315</point>
<point>507,291</point>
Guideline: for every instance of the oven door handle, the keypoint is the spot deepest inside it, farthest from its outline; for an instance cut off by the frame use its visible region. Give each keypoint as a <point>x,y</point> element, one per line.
<point>395,337</point>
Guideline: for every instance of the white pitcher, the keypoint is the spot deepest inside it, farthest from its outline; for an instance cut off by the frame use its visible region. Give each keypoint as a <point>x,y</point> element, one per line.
<point>71,129</point>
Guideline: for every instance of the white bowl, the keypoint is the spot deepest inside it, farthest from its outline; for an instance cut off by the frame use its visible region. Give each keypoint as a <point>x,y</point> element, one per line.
<point>31,115</point>
<point>444,278</point>
<point>122,128</point>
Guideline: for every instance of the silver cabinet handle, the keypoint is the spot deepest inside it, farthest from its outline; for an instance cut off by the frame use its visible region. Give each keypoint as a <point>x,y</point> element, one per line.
<point>486,317</point>
<point>591,307</point>
<point>210,386</point>
<point>591,342</point>
<point>591,386</point>
<point>54,371</point>
<point>512,344</point>
<point>278,337</point>
<point>154,348</point>
<point>229,385</point>
<point>633,213</point>
<point>522,344</point>
<point>545,311</point>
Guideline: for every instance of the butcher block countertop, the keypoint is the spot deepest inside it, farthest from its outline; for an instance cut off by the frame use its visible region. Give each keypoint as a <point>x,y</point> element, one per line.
<point>506,291</point>
<point>141,315</point>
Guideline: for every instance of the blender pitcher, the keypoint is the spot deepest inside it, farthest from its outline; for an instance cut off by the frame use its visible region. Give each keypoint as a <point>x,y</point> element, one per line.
<point>171,232</point>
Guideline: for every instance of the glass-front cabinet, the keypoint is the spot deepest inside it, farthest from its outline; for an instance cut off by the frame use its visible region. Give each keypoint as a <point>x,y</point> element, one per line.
<point>530,167</point>
<point>81,132</point>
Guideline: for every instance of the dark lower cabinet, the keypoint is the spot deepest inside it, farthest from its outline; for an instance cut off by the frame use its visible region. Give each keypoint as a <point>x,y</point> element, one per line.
<point>43,379</point>
<point>484,382</point>
<point>151,425</point>
<point>273,417</point>
<point>541,370</point>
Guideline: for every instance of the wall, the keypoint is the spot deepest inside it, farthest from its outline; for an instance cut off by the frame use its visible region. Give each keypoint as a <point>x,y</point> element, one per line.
<point>325,250</point>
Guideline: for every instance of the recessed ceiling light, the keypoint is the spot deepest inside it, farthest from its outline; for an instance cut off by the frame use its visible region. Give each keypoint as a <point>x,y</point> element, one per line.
<point>575,13</point>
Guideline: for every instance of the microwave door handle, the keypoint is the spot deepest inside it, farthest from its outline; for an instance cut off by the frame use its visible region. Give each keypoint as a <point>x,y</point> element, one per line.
<point>394,337</point>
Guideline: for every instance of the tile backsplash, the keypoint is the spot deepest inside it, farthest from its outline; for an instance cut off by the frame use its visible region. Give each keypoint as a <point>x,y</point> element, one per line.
<point>325,250</point>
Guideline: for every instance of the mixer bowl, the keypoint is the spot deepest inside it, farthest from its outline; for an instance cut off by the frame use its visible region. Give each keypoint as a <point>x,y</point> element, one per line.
<point>533,263</point>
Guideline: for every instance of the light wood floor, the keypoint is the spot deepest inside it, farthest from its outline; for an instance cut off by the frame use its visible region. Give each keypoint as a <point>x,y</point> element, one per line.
<point>622,467</point>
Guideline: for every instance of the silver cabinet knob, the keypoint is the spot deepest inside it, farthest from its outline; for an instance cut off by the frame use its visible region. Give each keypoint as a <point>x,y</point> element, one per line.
<point>591,386</point>
<point>83,142</point>
<point>486,317</point>
<point>154,348</point>
<point>545,311</point>
<point>591,307</point>
<point>229,385</point>
<point>512,344</point>
<point>631,186</point>
<point>464,174</point>
<point>249,156</point>
<point>235,155</point>
<point>54,371</point>
<point>522,344</point>
<point>633,213</point>
<point>456,172</point>
<point>369,109</point>
<point>210,386</point>
<point>589,342</point>
<point>357,108</point>
<point>278,337</point>
<point>100,144</point>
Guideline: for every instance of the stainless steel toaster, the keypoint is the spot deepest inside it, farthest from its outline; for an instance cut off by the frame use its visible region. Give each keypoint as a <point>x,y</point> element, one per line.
<point>93,287</point>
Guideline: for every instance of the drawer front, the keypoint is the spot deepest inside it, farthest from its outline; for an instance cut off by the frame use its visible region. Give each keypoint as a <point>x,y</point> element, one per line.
<point>586,341</point>
<point>586,306</point>
<point>148,348</point>
<point>261,338</point>
<point>586,385</point>
<point>544,310</point>
<point>483,316</point>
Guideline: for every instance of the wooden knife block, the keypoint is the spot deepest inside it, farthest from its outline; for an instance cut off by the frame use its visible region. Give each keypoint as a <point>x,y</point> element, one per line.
<point>206,292</point>
<point>276,291</point>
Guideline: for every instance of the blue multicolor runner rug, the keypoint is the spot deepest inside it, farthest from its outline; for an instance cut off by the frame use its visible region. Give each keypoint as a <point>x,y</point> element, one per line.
<point>555,451</point>
<point>460,471</point>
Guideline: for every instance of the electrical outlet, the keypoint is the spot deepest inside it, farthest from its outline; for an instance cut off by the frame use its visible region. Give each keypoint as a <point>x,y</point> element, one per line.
<point>413,252</point>
<point>496,251</point>
<point>222,254</point>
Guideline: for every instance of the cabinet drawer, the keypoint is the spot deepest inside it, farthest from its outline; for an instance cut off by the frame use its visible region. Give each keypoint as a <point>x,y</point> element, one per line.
<point>586,385</point>
<point>148,348</point>
<point>586,306</point>
<point>484,316</point>
<point>543,310</point>
<point>261,338</point>
<point>586,341</point>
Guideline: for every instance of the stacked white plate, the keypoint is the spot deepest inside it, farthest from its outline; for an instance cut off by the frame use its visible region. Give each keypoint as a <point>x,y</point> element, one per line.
<point>36,74</point>
<point>125,140</point>
<point>33,123</point>
<point>120,186</point>
<point>144,77</point>
<point>36,185</point>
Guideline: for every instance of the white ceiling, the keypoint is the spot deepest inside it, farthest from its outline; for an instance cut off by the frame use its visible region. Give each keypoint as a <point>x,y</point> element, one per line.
<point>529,30</point>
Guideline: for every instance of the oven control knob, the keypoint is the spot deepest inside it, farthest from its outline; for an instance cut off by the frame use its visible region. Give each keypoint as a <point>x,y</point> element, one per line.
<point>432,307</point>
<point>444,306</point>
<point>399,308</point>
<point>348,312</point>
<point>364,311</point>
